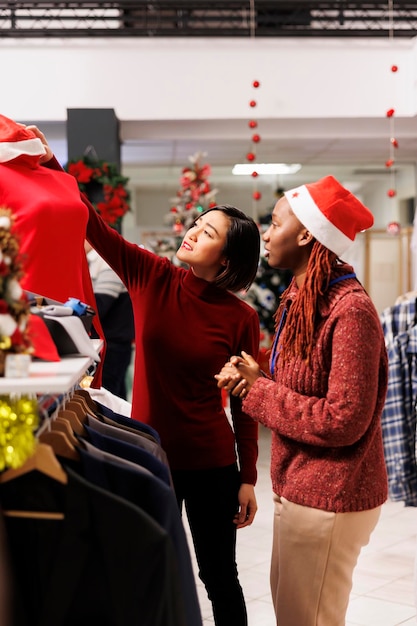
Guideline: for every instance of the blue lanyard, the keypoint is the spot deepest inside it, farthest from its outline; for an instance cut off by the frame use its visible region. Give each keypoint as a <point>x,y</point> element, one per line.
<point>274,349</point>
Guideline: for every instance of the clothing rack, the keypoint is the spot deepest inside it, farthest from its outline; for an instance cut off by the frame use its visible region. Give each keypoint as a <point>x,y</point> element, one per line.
<point>399,423</point>
<point>104,526</point>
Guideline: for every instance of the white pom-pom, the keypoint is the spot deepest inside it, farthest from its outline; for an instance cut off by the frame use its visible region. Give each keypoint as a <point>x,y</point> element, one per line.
<point>7,325</point>
<point>5,222</point>
<point>14,290</point>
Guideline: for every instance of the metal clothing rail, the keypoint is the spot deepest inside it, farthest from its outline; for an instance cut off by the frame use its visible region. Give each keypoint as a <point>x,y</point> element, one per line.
<point>206,18</point>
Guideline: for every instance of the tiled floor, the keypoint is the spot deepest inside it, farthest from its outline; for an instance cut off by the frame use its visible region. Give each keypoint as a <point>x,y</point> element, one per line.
<point>383,591</point>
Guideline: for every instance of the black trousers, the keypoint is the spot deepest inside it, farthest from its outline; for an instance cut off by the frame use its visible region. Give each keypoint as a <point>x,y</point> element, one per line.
<point>210,499</point>
<point>115,366</point>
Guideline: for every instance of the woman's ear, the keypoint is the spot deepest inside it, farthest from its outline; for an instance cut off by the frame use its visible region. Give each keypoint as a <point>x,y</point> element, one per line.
<point>305,237</point>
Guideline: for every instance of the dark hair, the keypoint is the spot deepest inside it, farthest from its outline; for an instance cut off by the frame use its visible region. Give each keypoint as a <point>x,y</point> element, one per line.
<point>243,243</point>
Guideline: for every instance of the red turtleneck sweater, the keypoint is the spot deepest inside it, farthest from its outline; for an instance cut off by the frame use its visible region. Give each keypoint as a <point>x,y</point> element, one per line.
<point>186,329</point>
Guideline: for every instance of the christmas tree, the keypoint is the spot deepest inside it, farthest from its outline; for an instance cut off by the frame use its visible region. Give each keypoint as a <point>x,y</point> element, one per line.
<point>194,195</point>
<point>14,306</point>
<point>265,293</point>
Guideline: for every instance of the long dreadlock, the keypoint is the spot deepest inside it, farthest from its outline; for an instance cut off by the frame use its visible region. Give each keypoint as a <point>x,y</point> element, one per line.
<point>300,323</point>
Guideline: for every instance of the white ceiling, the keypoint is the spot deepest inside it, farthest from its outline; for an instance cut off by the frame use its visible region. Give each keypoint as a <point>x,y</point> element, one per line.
<point>353,150</point>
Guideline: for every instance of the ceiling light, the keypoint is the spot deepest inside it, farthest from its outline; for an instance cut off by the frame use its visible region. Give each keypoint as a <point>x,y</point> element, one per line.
<point>247,169</point>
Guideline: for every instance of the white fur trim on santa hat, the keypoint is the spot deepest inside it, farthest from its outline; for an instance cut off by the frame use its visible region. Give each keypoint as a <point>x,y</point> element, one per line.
<point>307,211</point>
<point>10,150</point>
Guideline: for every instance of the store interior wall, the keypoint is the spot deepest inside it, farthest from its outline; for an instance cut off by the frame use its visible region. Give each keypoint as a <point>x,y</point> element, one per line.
<point>197,80</point>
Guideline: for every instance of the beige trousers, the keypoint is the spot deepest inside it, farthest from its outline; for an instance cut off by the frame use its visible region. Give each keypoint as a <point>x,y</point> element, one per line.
<point>314,554</point>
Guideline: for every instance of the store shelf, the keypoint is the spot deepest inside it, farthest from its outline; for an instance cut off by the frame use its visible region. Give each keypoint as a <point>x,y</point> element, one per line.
<point>47,377</point>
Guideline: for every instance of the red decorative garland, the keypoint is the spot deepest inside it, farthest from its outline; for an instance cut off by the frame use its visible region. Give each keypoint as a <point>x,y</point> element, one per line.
<point>256,138</point>
<point>116,196</point>
<point>391,193</point>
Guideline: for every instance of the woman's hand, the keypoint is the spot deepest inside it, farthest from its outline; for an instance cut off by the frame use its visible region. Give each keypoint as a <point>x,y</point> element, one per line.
<point>49,154</point>
<point>247,506</point>
<point>238,375</point>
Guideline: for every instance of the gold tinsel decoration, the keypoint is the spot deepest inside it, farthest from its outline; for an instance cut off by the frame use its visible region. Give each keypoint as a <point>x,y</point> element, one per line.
<point>19,420</point>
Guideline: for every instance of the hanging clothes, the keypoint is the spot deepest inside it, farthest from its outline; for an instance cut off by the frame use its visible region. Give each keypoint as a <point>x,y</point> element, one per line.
<point>105,562</point>
<point>103,525</point>
<point>399,413</point>
<point>142,488</point>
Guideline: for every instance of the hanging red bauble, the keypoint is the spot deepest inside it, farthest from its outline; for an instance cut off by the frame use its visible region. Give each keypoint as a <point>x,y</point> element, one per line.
<point>178,228</point>
<point>252,124</point>
<point>189,205</point>
<point>394,68</point>
<point>394,228</point>
<point>391,193</point>
<point>250,156</point>
<point>256,83</point>
<point>174,209</point>
<point>255,174</point>
<point>256,138</point>
<point>256,195</point>
<point>389,163</point>
<point>390,112</point>
<point>252,103</point>
<point>212,204</point>
<point>394,142</point>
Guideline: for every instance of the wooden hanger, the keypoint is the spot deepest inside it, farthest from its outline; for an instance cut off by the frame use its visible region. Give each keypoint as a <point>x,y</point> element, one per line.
<point>74,405</point>
<point>83,393</point>
<point>60,443</point>
<point>73,419</point>
<point>43,460</point>
<point>83,404</point>
<point>62,425</point>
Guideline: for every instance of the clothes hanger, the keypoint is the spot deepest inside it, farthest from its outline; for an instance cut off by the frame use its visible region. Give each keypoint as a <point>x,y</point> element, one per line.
<point>83,404</point>
<point>60,443</point>
<point>42,460</point>
<point>60,436</point>
<point>83,393</point>
<point>72,417</point>
<point>62,425</point>
<point>80,412</point>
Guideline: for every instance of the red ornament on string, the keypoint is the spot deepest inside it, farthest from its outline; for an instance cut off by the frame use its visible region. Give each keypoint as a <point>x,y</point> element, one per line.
<point>255,174</point>
<point>394,68</point>
<point>256,138</point>
<point>394,142</point>
<point>252,124</point>
<point>250,156</point>
<point>256,195</point>
<point>256,84</point>
<point>252,103</point>
<point>394,228</point>
<point>390,112</point>
<point>391,193</point>
<point>389,163</point>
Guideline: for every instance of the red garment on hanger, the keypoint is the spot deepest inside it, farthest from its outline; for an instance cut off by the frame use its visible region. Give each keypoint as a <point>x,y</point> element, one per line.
<point>50,223</point>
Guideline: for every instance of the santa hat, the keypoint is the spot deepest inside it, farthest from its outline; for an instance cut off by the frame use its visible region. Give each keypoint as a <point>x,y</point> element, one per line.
<point>331,213</point>
<point>16,140</point>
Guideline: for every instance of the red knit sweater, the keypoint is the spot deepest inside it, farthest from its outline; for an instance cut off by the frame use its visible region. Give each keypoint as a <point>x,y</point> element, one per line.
<point>327,449</point>
<point>185,330</point>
